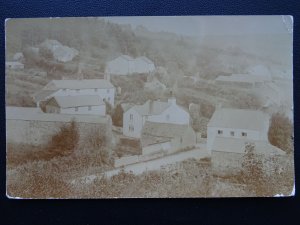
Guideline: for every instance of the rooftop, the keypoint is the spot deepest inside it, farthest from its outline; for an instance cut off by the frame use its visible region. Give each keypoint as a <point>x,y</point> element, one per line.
<point>239,118</point>
<point>151,107</point>
<point>35,114</point>
<point>78,84</point>
<point>81,100</point>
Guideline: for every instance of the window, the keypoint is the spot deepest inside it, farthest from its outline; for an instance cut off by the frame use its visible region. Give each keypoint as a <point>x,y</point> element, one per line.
<point>76,109</point>
<point>131,128</point>
<point>95,89</point>
<point>131,117</point>
<point>64,89</point>
<point>107,91</point>
<point>244,134</point>
<point>77,90</point>
<point>90,108</point>
<point>232,133</point>
<point>168,117</point>
<point>220,132</point>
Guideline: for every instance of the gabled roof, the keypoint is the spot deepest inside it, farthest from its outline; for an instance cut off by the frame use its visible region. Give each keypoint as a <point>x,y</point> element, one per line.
<point>239,119</point>
<point>35,114</point>
<point>43,94</point>
<point>145,59</point>
<point>237,145</point>
<point>77,101</point>
<point>151,107</point>
<point>78,84</point>
<point>127,57</point>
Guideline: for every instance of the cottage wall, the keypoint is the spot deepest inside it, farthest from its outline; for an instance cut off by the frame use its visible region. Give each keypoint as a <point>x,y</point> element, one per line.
<point>136,122</point>
<point>119,66</point>
<point>107,94</point>
<point>212,133</point>
<point>95,110</point>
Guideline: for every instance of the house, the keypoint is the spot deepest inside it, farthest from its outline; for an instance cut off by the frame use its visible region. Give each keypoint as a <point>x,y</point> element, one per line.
<point>14,65</point>
<point>241,124</point>
<point>230,131</point>
<point>100,87</point>
<point>166,137</point>
<point>143,65</point>
<point>18,57</point>
<point>153,111</point>
<point>83,104</point>
<point>126,65</point>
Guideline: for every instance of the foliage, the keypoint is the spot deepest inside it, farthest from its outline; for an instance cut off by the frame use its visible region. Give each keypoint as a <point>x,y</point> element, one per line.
<point>65,141</point>
<point>117,116</point>
<point>281,132</point>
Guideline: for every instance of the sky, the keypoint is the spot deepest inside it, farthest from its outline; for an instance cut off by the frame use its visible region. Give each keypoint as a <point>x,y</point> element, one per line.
<point>212,25</point>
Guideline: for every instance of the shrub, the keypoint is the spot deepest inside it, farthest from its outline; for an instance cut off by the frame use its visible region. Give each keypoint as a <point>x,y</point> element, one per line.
<point>280,132</point>
<point>65,141</point>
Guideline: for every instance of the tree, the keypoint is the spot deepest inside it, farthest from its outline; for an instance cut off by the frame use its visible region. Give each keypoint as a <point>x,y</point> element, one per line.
<point>252,173</point>
<point>65,141</point>
<point>117,116</point>
<point>281,132</point>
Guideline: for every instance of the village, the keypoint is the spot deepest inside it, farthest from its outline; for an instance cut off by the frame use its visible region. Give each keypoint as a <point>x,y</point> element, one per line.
<point>143,123</point>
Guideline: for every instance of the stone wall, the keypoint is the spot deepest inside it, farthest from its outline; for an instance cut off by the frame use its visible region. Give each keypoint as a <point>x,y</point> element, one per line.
<point>39,133</point>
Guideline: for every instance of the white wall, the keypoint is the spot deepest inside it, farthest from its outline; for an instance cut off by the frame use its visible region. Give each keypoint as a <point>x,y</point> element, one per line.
<point>136,122</point>
<point>95,110</point>
<point>118,66</point>
<point>105,94</point>
<point>212,133</point>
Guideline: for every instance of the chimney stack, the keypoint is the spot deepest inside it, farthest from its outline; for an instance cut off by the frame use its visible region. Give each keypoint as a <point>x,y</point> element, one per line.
<point>172,101</point>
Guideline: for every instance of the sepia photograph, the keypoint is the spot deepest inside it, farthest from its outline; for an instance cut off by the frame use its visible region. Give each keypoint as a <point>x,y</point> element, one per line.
<point>149,107</point>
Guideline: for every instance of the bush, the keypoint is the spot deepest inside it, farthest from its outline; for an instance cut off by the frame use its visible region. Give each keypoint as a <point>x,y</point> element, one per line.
<point>117,116</point>
<point>65,141</point>
<point>281,132</point>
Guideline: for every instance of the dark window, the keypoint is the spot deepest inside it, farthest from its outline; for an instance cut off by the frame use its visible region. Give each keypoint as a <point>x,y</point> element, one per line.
<point>244,134</point>
<point>232,133</point>
<point>220,132</point>
<point>76,109</point>
<point>90,108</point>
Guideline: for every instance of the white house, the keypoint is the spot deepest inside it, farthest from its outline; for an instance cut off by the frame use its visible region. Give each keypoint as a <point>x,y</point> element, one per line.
<point>230,132</point>
<point>153,111</point>
<point>14,65</point>
<point>84,104</point>
<point>100,87</point>
<point>125,65</point>
<point>237,124</point>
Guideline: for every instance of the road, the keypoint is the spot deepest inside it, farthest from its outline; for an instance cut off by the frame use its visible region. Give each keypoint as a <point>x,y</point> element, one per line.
<point>155,164</point>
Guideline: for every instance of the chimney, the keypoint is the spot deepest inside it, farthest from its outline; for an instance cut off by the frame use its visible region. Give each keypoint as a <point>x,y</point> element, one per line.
<point>107,76</point>
<point>172,101</point>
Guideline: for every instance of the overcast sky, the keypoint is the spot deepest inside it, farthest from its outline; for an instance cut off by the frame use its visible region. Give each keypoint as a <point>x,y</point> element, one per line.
<point>211,25</point>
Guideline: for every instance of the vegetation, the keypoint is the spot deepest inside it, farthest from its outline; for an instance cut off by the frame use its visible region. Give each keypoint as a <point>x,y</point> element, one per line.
<point>281,132</point>
<point>65,141</point>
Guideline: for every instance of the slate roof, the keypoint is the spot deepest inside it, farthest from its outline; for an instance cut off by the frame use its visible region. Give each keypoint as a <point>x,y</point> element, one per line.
<point>78,84</point>
<point>239,119</point>
<point>43,94</point>
<point>35,114</point>
<point>76,101</point>
<point>151,107</point>
<point>237,145</point>
<point>145,59</point>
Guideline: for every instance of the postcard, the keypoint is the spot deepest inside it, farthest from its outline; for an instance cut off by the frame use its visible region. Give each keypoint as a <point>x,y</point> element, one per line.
<point>149,107</point>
